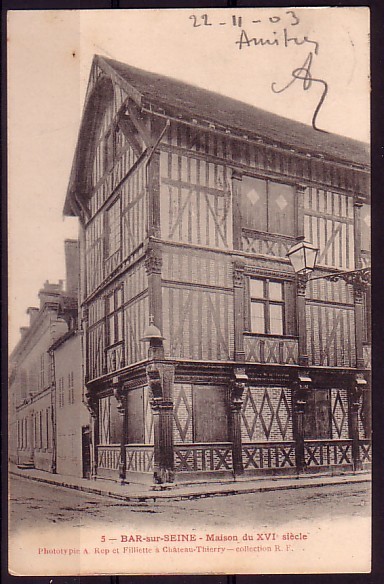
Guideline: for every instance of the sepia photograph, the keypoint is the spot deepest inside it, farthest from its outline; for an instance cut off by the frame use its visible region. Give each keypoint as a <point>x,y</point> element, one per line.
<point>189,291</point>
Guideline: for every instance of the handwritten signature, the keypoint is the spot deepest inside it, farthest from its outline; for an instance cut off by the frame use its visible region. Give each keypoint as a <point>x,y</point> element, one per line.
<point>304,74</point>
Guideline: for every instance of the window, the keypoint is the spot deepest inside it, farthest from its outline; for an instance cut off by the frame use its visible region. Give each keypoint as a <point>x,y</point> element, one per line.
<point>366,227</point>
<point>71,395</point>
<point>367,317</point>
<point>40,429</point>
<point>114,312</point>
<point>267,206</point>
<point>47,428</point>
<point>35,431</point>
<point>42,371</point>
<point>112,229</point>
<point>267,306</point>
<point>61,392</point>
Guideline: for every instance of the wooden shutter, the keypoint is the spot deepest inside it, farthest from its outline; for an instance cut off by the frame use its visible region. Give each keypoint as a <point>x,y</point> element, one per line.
<point>281,209</point>
<point>317,418</point>
<point>253,203</point>
<point>210,414</point>
<point>135,425</point>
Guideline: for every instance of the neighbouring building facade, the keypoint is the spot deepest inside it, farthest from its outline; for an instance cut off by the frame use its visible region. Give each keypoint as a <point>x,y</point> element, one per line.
<point>47,414</point>
<point>72,416</point>
<point>204,353</point>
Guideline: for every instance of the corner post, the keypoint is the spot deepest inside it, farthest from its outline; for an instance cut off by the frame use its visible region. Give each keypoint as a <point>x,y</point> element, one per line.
<point>153,267</point>
<point>359,384</point>
<point>121,399</point>
<point>160,378</point>
<point>238,301</point>
<point>300,393</point>
<point>301,286</point>
<point>358,290</point>
<point>236,182</point>
<point>237,389</point>
<point>358,296</point>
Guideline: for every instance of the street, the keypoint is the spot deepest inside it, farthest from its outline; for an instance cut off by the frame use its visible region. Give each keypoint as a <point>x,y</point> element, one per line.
<point>58,530</point>
<point>32,502</point>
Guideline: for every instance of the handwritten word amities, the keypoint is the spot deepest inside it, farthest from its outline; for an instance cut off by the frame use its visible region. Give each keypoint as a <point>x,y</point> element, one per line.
<point>276,39</point>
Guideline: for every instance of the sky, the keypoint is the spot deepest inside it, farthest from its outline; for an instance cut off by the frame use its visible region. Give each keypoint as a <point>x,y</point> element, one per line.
<point>237,52</point>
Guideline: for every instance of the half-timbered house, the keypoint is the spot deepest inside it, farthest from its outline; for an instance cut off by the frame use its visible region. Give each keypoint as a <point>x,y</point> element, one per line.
<point>197,361</point>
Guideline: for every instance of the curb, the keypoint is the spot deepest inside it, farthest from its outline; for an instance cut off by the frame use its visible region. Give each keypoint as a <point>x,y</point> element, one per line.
<point>195,495</point>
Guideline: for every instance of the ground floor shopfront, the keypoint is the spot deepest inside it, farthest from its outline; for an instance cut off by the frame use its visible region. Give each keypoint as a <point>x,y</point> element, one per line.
<point>167,422</point>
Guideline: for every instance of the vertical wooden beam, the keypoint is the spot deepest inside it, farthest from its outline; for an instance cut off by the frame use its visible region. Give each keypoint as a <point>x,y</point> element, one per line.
<point>358,385</point>
<point>238,301</point>
<point>358,291</point>
<point>166,424</point>
<point>357,204</point>
<point>82,264</point>
<point>236,190</point>
<point>156,441</point>
<point>236,396</point>
<point>299,211</point>
<point>300,392</point>
<point>301,285</point>
<point>153,189</point>
<point>122,409</point>
<point>160,378</point>
<point>301,281</point>
<point>153,265</point>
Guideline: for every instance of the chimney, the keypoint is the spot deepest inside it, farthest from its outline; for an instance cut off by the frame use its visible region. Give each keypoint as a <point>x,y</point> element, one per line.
<point>72,266</point>
<point>23,330</point>
<point>32,312</point>
<point>50,292</point>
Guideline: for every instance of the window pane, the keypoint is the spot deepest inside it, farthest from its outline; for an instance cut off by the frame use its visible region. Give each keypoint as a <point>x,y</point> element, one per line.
<point>276,319</point>
<point>257,317</point>
<point>109,304</point>
<point>281,208</point>
<point>275,291</point>
<point>253,203</point>
<point>119,297</point>
<point>119,317</point>
<point>257,288</point>
<point>111,329</point>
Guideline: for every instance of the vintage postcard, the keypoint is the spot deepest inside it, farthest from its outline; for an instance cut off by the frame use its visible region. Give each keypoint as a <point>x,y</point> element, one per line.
<point>189,245</point>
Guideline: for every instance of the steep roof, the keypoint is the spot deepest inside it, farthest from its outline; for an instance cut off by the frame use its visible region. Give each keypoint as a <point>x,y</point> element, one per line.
<point>180,98</point>
<point>232,113</point>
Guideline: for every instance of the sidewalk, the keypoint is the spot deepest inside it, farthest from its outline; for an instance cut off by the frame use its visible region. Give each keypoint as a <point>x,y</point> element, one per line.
<point>140,492</point>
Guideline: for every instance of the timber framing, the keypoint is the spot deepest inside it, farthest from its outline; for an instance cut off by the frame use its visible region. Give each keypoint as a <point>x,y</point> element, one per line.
<point>203,354</point>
